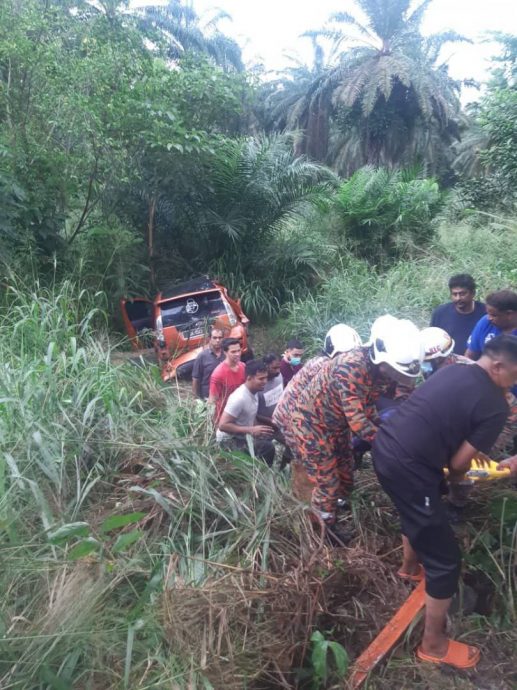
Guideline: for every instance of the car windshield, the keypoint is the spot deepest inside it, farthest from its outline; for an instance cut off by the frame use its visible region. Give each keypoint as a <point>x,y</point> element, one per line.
<point>190,314</point>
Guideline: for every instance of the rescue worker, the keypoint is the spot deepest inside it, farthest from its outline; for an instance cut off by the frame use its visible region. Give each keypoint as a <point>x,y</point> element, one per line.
<point>457,413</point>
<point>338,401</point>
<point>339,339</point>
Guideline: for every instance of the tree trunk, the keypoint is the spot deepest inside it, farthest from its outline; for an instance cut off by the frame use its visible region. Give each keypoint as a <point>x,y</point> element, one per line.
<point>150,239</point>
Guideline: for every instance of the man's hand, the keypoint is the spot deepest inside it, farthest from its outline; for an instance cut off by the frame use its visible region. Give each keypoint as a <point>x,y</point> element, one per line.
<point>261,430</point>
<point>482,460</point>
<point>509,464</point>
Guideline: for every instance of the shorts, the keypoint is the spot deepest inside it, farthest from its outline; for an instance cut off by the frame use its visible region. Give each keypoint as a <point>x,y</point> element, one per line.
<point>424,522</point>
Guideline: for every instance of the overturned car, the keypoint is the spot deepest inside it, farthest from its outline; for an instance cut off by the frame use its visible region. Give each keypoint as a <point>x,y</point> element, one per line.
<point>179,320</point>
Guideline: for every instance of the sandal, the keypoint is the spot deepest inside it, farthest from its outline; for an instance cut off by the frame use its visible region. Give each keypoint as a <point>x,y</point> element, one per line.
<point>458,654</point>
<point>417,577</point>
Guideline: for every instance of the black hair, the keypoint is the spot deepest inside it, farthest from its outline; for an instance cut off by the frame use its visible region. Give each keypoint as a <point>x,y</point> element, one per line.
<point>228,342</point>
<point>270,358</point>
<point>216,328</point>
<point>463,280</point>
<point>503,300</point>
<point>295,344</point>
<point>505,345</point>
<point>254,367</point>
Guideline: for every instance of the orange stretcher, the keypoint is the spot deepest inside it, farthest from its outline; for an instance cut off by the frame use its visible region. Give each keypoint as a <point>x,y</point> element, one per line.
<point>388,636</point>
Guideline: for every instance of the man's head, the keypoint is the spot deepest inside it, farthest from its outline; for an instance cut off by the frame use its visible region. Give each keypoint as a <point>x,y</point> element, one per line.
<point>397,349</point>
<point>256,375</point>
<point>216,339</point>
<point>499,360</point>
<point>232,350</point>
<point>294,352</point>
<point>501,309</point>
<point>463,290</point>
<point>437,345</point>
<point>272,362</point>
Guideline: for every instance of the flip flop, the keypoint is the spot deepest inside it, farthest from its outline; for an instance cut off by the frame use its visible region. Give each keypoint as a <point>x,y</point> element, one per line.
<point>417,577</point>
<point>458,655</point>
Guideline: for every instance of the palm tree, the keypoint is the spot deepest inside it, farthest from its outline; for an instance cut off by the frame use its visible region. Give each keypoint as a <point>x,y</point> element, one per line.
<point>387,100</point>
<point>183,30</point>
<point>300,101</point>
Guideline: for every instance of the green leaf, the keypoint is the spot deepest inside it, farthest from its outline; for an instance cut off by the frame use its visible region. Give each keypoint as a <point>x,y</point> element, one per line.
<point>178,147</point>
<point>118,521</point>
<point>319,656</point>
<point>66,532</point>
<point>340,657</point>
<point>84,548</point>
<point>124,541</point>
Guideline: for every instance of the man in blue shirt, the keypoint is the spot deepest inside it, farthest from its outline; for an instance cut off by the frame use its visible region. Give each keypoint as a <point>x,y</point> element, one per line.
<point>459,316</point>
<point>501,317</point>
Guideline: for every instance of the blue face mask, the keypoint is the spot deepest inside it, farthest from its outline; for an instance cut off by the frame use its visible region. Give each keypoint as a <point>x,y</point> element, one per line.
<point>427,369</point>
<point>295,361</point>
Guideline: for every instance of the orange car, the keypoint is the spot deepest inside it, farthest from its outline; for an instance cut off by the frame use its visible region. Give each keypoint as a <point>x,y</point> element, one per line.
<point>179,320</point>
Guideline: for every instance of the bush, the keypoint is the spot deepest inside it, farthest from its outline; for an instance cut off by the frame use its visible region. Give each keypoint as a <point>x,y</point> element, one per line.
<point>356,294</point>
<point>385,211</point>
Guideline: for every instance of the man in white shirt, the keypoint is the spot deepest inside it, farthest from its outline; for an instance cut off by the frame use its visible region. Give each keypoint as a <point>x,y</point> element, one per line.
<point>238,421</point>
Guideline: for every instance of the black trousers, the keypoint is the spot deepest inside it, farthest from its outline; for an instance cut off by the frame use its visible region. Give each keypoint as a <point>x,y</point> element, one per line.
<point>425,523</point>
<point>262,447</point>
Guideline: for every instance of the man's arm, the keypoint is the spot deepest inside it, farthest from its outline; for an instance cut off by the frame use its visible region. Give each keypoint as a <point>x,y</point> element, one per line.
<point>461,460</point>
<point>215,389</point>
<point>474,355</point>
<point>227,424</point>
<point>196,388</point>
<point>197,375</point>
<point>352,398</point>
<point>475,343</point>
<point>510,464</point>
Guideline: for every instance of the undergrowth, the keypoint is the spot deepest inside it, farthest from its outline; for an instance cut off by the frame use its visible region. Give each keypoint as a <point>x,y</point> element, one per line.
<point>135,555</point>
<point>356,293</point>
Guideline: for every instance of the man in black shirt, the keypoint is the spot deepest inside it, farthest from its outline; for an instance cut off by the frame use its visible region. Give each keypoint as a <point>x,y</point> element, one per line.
<point>455,415</point>
<point>459,316</point>
<point>206,361</point>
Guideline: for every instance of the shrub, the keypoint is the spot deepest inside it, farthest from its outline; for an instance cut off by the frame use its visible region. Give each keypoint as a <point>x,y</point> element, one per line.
<point>385,211</point>
<point>355,293</point>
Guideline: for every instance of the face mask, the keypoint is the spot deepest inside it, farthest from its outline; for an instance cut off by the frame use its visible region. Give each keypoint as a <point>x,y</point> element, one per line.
<point>427,369</point>
<point>295,361</point>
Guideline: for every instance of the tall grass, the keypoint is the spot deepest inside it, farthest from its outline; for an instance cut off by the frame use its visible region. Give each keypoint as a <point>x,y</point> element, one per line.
<point>355,293</point>
<point>133,555</point>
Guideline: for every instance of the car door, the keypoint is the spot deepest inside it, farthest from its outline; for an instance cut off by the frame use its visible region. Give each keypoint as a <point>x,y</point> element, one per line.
<point>138,317</point>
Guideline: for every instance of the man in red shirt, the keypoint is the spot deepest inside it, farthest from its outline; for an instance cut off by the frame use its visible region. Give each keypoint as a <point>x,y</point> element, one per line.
<point>227,376</point>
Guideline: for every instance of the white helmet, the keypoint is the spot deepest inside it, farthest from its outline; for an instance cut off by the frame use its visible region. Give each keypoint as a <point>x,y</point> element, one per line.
<point>398,343</point>
<point>380,325</point>
<point>436,343</point>
<point>341,338</point>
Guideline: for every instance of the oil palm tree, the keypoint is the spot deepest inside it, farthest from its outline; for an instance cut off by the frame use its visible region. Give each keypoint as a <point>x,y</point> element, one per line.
<point>299,101</point>
<point>182,29</point>
<point>387,100</point>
